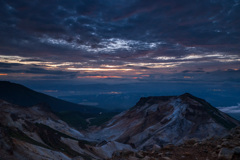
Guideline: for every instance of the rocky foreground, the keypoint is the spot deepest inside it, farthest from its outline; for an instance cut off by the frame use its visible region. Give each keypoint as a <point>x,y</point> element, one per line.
<point>35,133</point>
<point>174,127</point>
<point>226,148</point>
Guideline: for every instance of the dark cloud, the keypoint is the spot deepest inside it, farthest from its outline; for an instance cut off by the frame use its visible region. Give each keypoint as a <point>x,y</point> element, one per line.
<point>192,71</point>
<point>44,71</point>
<point>10,71</point>
<point>144,68</point>
<point>31,60</point>
<point>138,34</point>
<point>9,65</point>
<point>40,71</point>
<point>213,25</point>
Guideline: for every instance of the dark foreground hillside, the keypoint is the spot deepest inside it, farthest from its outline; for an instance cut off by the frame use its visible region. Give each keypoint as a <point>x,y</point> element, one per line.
<point>23,96</point>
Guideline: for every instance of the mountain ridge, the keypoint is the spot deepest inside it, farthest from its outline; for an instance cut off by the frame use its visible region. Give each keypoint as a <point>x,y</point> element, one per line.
<point>185,96</point>
<point>23,96</point>
<point>166,119</point>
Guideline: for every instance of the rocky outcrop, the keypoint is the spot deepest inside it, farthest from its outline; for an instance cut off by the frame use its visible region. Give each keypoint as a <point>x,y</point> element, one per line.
<point>226,148</point>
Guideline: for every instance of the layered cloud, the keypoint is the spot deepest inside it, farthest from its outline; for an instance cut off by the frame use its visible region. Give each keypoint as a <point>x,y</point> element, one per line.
<point>124,39</point>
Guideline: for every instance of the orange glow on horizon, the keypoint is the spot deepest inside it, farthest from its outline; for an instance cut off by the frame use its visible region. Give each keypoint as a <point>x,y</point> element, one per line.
<point>100,77</point>
<point>186,77</point>
<point>99,69</point>
<point>3,74</point>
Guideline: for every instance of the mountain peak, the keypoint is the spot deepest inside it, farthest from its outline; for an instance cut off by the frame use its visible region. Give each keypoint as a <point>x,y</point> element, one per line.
<point>186,95</point>
<point>156,99</point>
<point>167,119</point>
<point>152,100</point>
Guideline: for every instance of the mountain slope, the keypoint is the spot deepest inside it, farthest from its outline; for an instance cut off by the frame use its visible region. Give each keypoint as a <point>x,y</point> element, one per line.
<point>164,120</point>
<point>36,133</point>
<point>23,96</point>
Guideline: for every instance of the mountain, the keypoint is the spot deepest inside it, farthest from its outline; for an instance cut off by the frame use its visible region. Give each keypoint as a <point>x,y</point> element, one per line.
<point>36,133</point>
<point>165,120</point>
<point>23,96</point>
<point>155,128</point>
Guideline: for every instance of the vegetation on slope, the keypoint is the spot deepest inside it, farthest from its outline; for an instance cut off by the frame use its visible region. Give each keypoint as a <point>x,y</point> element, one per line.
<point>84,120</point>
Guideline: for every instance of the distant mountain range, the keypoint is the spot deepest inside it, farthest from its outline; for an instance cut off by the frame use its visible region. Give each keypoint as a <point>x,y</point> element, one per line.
<point>23,96</point>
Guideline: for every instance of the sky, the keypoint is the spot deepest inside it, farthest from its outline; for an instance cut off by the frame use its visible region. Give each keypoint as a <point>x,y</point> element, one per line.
<point>80,49</point>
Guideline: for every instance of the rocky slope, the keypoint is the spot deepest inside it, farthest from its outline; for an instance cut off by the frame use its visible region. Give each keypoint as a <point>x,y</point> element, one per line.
<point>226,148</point>
<point>36,133</point>
<point>165,120</point>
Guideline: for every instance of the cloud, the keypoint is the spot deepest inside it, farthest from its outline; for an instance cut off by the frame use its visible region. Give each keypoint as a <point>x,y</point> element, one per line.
<point>7,71</point>
<point>85,18</point>
<point>39,71</point>
<point>98,77</point>
<point>230,109</point>
<point>8,65</point>
<point>111,45</point>
<point>44,71</point>
<point>192,71</point>
<point>152,37</point>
